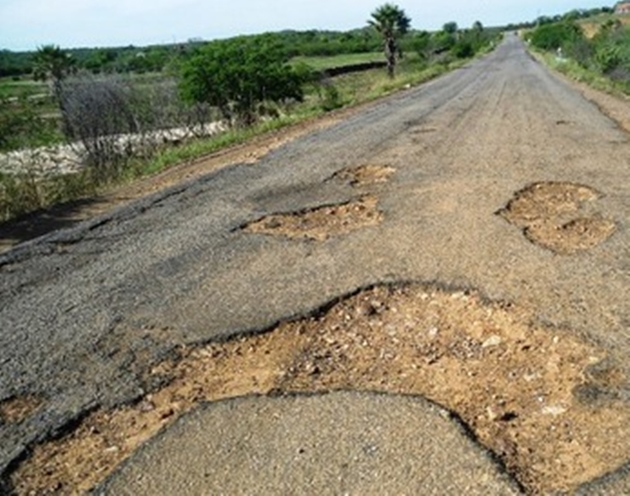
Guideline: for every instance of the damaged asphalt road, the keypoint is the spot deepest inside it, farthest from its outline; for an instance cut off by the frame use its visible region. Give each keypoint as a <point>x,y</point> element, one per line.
<point>85,313</point>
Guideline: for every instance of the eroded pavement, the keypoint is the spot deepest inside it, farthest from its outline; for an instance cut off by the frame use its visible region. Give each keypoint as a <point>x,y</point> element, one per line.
<point>464,243</point>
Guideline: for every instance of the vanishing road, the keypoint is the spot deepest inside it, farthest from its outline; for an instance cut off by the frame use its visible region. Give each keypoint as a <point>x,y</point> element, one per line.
<point>490,208</point>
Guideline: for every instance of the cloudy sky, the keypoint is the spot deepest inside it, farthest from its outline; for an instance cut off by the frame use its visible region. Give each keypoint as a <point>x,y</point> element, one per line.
<point>27,24</point>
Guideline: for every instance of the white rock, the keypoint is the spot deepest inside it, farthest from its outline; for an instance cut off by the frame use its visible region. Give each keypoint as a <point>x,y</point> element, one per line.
<point>554,410</point>
<point>492,341</point>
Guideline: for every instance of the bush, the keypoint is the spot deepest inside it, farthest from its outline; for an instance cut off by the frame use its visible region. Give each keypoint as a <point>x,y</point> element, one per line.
<point>443,41</point>
<point>554,36</point>
<point>608,58</point>
<point>330,97</point>
<point>463,50</point>
<point>580,50</point>
<point>237,75</point>
<point>96,112</point>
<point>606,54</point>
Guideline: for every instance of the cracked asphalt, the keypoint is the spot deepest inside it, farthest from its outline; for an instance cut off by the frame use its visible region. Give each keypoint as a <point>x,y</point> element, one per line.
<point>86,312</point>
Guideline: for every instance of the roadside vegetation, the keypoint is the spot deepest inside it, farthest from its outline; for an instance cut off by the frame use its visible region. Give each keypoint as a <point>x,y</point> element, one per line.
<point>127,120</point>
<point>594,50</point>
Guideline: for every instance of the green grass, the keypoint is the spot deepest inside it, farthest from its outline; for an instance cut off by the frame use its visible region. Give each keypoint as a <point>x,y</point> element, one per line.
<point>201,147</point>
<point>322,63</point>
<point>369,85</point>
<point>21,88</point>
<point>581,74</point>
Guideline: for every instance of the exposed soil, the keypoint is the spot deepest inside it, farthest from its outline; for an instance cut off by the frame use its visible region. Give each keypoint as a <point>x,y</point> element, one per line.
<point>321,223</point>
<point>522,388</point>
<point>16,409</point>
<point>366,175</point>
<point>555,216</point>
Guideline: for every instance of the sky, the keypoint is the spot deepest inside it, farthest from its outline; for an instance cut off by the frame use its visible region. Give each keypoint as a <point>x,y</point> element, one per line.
<point>28,24</point>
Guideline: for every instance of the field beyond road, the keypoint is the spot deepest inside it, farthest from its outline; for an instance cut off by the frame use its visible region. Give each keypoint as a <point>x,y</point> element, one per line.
<point>460,248</point>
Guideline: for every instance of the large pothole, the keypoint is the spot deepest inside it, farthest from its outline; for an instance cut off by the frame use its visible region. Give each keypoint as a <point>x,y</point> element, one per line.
<point>321,223</point>
<point>554,215</point>
<point>520,387</point>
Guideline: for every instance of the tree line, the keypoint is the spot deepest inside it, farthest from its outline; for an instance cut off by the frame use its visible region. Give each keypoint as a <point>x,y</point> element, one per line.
<point>159,58</point>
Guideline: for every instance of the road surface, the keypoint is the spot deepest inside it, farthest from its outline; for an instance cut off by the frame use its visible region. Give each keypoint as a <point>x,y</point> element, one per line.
<point>498,181</point>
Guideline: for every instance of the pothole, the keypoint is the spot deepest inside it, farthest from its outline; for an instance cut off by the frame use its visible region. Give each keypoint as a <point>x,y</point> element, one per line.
<point>18,408</point>
<point>321,223</point>
<point>518,386</point>
<point>365,175</point>
<point>554,216</point>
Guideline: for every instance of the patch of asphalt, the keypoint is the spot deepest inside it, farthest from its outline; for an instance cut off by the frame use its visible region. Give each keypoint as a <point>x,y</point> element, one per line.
<point>337,443</point>
<point>80,326</point>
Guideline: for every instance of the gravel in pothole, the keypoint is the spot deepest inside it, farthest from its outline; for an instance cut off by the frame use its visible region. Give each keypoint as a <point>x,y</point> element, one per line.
<point>522,388</point>
<point>321,223</point>
<point>555,216</point>
<point>365,175</point>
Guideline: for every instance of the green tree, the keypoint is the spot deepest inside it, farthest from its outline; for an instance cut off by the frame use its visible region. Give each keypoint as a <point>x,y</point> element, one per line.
<point>422,44</point>
<point>554,36</point>
<point>392,23</point>
<point>100,60</point>
<point>450,28</point>
<point>51,63</point>
<point>238,75</point>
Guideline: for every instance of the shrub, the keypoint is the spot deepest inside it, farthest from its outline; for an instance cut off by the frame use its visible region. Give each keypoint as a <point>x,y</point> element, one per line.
<point>608,57</point>
<point>554,36</point>
<point>330,97</point>
<point>463,50</point>
<point>237,75</point>
<point>96,113</point>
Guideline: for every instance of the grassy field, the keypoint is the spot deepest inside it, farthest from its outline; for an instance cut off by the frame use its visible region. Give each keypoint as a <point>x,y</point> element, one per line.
<point>367,85</point>
<point>322,63</point>
<point>21,88</point>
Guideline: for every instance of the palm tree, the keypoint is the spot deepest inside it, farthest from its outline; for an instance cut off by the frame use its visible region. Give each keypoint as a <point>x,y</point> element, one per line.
<point>51,63</point>
<point>392,23</point>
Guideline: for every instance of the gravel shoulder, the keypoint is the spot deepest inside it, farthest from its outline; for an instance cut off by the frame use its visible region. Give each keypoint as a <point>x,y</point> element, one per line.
<point>97,319</point>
